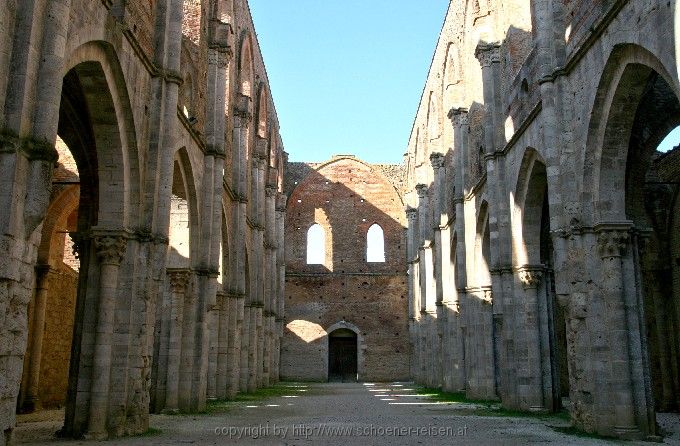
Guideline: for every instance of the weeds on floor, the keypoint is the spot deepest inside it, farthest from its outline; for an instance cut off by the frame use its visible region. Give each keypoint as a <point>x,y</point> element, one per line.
<point>259,395</point>
<point>494,409</point>
<point>150,432</point>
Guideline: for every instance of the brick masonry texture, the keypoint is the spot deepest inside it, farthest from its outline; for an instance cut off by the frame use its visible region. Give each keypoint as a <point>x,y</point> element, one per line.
<point>345,196</point>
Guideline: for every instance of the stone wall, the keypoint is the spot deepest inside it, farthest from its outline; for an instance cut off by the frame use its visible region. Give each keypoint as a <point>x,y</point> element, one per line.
<point>114,95</point>
<point>535,199</point>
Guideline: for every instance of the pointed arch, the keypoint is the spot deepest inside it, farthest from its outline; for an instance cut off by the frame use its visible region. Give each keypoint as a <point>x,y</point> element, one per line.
<point>483,246</point>
<point>245,66</point>
<point>316,245</point>
<point>530,193</point>
<point>262,112</point>
<point>433,118</point>
<point>622,87</point>
<point>375,244</point>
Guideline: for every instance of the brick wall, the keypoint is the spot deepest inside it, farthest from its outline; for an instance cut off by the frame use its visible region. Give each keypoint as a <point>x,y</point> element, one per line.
<point>345,196</point>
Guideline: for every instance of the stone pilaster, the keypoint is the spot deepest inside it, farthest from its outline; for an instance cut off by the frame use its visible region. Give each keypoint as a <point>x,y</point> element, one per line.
<point>612,243</point>
<point>279,307</point>
<point>235,302</point>
<point>179,281</point>
<point>223,327</point>
<point>32,398</point>
<point>110,250</point>
<point>529,341</point>
<point>459,120</point>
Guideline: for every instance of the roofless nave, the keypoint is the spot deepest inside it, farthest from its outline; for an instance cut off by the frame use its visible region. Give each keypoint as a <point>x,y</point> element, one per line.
<point>538,224</point>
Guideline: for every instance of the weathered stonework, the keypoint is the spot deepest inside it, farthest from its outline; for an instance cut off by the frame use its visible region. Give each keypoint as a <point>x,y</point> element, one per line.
<point>541,220</point>
<point>127,132</point>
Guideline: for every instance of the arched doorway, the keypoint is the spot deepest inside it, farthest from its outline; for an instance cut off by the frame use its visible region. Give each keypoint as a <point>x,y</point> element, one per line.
<point>342,355</point>
<point>539,312</point>
<point>634,192</point>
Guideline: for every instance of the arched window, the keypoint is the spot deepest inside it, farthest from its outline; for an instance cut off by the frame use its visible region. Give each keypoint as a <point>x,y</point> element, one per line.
<point>316,245</point>
<point>375,244</point>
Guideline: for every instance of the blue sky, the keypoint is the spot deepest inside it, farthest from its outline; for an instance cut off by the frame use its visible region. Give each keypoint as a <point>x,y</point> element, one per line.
<point>346,75</point>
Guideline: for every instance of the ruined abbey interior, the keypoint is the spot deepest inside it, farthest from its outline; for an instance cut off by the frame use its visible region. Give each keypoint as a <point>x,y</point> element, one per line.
<point>156,247</point>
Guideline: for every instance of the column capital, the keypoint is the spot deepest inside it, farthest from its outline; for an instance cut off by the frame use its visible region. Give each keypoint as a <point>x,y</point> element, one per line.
<point>437,160</point>
<point>530,276</point>
<point>270,191</point>
<point>421,189</point>
<point>110,248</point>
<point>179,279</point>
<point>411,213</point>
<point>260,152</point>
<point>487,296</point>
<point>243,109</point>
<point>281,202</point>
<point>488,54</point>
<point>612,241</point>
<point>218,57</point>
<point>458,116</point>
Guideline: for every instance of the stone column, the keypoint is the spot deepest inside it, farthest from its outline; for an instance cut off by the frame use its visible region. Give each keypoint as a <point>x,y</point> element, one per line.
<point>270,281</point>
<point>530,388</point>
<point>459,119</point>
<point>279,307</point>
<point>32,398</point>
<point>245,346</point>
<point>179,280</point>
<point>110,250</point>
<point>213,348</point>
<point>413,287</point>
<point>261,264</point>
<point>235,315</point>
<point>612,243</point>
<point>223,328</point>
<point>241,135</point>
<point>499,214</point>
<point>188,348</point>
<point>441,266</point>
<point>424,248</point>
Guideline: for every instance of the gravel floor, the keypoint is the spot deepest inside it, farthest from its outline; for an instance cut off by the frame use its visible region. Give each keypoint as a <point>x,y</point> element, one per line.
<point>339,414</point>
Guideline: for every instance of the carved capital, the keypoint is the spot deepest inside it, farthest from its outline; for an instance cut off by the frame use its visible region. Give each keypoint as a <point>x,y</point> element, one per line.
<point>110,248</point>
<point>458,116</point>
<point>411,214</point>
<point>243,110</point>
<point>612,242</point>
<point>530,277</point>
<point>421,189</point>
<point>487,296</point>
<point>281,202</point>
<point>270,191</point>
<point>488,54</point>
<point>437,160</point>
<point>179,279</point>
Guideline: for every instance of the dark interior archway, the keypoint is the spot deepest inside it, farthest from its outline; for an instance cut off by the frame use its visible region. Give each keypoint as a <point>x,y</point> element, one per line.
<point>651,208</point>
<point>342,355</point>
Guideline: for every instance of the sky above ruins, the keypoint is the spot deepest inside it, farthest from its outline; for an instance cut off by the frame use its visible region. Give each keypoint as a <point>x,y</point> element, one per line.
<point>347,75</point>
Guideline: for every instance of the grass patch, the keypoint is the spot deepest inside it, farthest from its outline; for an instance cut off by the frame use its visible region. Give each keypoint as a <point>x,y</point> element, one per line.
<point>150,432</point>
<point>491,411</point>
<point>488,408</point>
<point>259,395</point>
<point>449,397</point>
